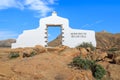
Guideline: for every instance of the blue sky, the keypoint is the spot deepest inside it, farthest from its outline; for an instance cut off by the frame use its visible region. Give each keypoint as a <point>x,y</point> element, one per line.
<point>53,32</point>
<point>97,15</point>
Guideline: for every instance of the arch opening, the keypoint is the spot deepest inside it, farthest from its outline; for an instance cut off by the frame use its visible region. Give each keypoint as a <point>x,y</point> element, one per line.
<point>54,35</point>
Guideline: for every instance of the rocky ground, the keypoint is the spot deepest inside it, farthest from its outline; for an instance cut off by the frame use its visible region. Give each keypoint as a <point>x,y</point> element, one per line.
<point>53,64</point>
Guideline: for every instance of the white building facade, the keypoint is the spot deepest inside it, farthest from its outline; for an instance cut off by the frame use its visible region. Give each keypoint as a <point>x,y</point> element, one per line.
<point>70,37</point>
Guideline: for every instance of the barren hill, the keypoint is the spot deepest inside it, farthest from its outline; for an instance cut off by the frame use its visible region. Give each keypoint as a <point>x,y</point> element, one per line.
<point>56,42</point>
<point>7,43</point>
<point>107,40</point>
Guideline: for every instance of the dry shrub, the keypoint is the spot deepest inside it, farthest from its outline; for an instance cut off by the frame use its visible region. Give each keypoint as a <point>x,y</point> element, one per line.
<point>86,45</point>
<point>16,50</point>
<point>97,70</point>
<point>29,51</point>
<point>13,55</point>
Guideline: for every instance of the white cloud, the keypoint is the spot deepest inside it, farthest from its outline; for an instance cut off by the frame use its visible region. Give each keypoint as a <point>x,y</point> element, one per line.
<point>52,1</point>
<point>38,5</point>
<point>99,21</point>
<point>93,24</point>
<point>86,25</point>
<point>4,4</point>
<point>41,6</point>
<point>7,3</point>
<point>7,35</point>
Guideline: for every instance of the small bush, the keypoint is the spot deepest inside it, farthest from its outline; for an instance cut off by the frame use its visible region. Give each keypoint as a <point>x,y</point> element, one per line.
<point>82,63</point>
<point>113,49</point>
<point>13,55</point>
<point>97,70</point>
<point>86,45</point>
<point>33,54</point>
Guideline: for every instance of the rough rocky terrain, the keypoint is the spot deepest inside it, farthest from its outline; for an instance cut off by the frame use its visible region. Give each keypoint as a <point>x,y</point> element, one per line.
<point>48,65</point>
<point>53,64</point>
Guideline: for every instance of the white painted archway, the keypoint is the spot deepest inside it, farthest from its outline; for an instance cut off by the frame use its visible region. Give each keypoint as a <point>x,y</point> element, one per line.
<point>72,37</point>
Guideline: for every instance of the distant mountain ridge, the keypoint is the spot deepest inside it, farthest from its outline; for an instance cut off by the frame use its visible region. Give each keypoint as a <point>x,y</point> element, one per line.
<point>7,43</point>
<point>108,40</point>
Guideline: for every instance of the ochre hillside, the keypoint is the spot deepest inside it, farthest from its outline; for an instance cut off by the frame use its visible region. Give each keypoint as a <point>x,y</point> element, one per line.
<point>40,63</point>
<point>107,40</point>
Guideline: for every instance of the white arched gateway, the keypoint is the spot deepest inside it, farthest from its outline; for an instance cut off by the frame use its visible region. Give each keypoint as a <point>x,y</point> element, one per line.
<point>70,37</point>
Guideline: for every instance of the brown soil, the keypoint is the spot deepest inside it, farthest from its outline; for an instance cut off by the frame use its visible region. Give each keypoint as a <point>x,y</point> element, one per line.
<point>51,65</point>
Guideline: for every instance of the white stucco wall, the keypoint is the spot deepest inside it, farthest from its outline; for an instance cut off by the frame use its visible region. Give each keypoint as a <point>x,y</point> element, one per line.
<point>72,37</point>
